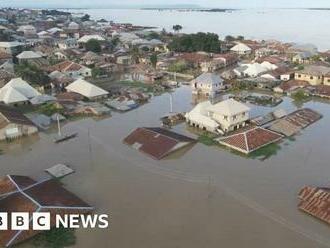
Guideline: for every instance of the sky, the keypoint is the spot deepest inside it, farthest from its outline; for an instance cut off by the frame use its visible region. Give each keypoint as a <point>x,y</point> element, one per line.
<point>161,3</point>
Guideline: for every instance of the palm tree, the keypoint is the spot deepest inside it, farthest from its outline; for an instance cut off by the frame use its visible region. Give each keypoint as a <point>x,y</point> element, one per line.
<point>135,53</point>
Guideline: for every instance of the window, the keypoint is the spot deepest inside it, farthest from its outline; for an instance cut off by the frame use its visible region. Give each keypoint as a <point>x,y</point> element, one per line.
<point>311,77</point>
<point>225,117</point>
<point>299,75</point>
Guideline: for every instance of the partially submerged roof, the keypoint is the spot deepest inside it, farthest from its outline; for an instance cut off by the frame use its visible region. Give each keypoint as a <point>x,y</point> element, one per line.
<point>86,89</point>
<point>29,55</point>
<point>316,70</point>
<point>14,116</point>
<point>157,142</point>
<point>199,115</point>
<point>209,78</point>
<point>228,107</point>
<point>19,86</point>
<point>316,202</point>
<point>66,66</point>
<point>23,194</point>
<point>250,140</point>
<point>294,122</point>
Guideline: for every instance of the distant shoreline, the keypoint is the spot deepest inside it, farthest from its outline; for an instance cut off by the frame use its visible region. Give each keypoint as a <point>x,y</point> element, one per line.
<point>191,9</point>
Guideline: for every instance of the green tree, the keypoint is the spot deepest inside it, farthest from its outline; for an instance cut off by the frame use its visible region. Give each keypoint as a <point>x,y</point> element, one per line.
<point>207,42</point>
<point>32,74</point>
<point>93,46</point>
<point>85,18</point>
<point>177,28</point>
<point>229,38</point>
<point>154,60</point>
<point>179,66</point>
<point>135,53</point>
<point>96,72</point>
<point>240,37</point>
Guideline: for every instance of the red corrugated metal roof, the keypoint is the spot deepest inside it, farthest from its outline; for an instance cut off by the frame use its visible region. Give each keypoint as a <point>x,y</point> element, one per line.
<point>23,194</point>
<point>156,142</point>
<point>251,140</point>
<point>315,201</point>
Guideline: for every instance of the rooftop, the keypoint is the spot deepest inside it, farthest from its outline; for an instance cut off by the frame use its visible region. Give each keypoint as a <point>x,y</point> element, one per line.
<point>316,202</point>
<point>228,107</point>
<point>250,140</point>
<point>156,142</point>
<point>23,194</point>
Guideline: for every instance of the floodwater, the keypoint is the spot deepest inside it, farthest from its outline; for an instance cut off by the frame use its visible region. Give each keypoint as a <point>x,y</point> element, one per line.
<point>289,25</point>
<point>207,197</point>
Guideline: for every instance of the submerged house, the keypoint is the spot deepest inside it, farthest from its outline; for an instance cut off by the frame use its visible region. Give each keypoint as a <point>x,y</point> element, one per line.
<point>72,69</point>
<point>87,89</point>
<point>157,142</point>
<point>250,140</point>
<point>316,202</point>
<point>28,56</point>
<point>23,194</point>
<point>207,84</point>
<point>17,91</point>
<point>221,117</point>
<point>14,124</point>
<point>314,74</point>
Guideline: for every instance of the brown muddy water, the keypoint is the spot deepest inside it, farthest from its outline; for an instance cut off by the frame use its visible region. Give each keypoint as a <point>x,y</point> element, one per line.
<point>207,197</point>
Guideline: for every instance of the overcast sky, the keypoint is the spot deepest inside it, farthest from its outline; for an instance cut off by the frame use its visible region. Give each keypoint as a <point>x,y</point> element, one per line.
<point>135,3</point>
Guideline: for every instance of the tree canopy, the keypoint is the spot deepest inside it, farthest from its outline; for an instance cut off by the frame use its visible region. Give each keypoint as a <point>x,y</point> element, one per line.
<point>85,18</point>
<point>207,42</point>
<point>177,28</point>
<point>93,46</point>
<point>32,74</point>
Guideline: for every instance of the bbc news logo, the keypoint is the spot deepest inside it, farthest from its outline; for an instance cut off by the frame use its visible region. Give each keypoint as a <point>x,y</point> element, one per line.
<point>42,221</point>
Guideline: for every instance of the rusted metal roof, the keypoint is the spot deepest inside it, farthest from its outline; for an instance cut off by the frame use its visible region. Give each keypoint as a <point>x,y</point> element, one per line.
<point>23,194</point>
<point>294,122</point>
<point>156,142</point>
<point>316,202</point>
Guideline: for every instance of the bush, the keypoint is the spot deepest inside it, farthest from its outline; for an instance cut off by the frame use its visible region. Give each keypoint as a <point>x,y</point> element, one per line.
<point>55,238</point>
<point>32,74</point>
<point>50,109</point>
<point>93,46</point>
<point>179,66</point>
<point>207,42</point>
<point>299,96</point>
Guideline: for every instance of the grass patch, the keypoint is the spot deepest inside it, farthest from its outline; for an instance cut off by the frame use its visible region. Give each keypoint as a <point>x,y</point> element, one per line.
<point>50,109</point>
<point>265,152</point>
<point>300,96</point>
<point>55,238</point>
<point>207,139</point>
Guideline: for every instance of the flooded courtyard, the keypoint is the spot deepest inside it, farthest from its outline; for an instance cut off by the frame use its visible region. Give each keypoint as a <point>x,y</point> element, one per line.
<point>206,197</point>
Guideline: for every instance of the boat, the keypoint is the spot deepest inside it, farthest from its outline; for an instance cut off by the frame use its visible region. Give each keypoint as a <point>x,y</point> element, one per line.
<point>65,138</point>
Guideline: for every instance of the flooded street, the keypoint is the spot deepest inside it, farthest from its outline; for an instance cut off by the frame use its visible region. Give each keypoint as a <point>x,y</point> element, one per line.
<point>208,197</point>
